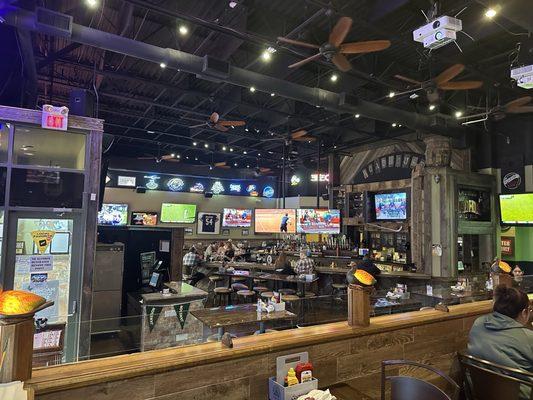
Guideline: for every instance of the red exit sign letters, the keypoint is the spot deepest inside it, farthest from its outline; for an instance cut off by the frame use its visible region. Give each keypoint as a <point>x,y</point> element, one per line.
<point>54,118</point>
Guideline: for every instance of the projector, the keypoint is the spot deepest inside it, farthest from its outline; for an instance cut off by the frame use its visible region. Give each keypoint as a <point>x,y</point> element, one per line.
<point>523,76</point>
<point>438,33</point>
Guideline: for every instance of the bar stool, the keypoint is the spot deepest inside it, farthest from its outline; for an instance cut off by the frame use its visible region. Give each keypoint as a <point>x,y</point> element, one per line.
<point>259,280</point>
<point>295,303</point>
<point>339,289</point>
<point>246,295</point>
<point>286,291</point>
<point>266,295</point>
<point>223,293</point>
<point>214,279</point>
<point>260,289</point>
<point>239,279</point>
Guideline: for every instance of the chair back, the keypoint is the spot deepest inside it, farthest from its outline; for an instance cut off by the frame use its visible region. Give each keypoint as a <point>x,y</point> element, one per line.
<point>410,388</point>
<point>484,380</point>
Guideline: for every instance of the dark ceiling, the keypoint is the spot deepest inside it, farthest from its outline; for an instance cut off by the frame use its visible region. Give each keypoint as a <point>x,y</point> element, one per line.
<point>150,109</point>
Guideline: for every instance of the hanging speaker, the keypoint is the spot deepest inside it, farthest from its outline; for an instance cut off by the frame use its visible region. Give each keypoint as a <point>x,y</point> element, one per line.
<point>208,195</point>
<point>81,102</point>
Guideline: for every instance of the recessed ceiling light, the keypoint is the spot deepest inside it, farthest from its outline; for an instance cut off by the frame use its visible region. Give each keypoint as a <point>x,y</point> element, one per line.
<point>259,154</point>
<point>272,94</point>
<point>194,143</point>
<point>206,145</point>
<point>335,146</point>
<point>178,156</point>
<point>392,94</point>
<point>432,107</point>
<point>252,89</point>
<point>490,13</point>
<point>266,56</point>
<point>235,164</point>
<point>458,114</point>
<point>187,157</point>
<point>357,115</point>
<point>150,132</point>
<point>248,166</point>
<point>334,77</point>
<point>231,149</point>
<point>246,129</point>
<point>183,30</point>
<point>195,158</point>
<point>394,124</point>
<point>163,65</point>
<point>173,155</point>
<point>244,152</point>
<point>232,4</point>
<point>223,148</point>
<point>91,3</point>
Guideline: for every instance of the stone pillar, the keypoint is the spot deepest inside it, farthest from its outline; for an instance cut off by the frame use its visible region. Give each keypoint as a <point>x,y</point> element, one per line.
<point>438,151</point>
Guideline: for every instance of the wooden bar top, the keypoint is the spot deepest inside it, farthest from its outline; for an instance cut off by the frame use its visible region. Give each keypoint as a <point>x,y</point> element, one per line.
<point>61,377</point>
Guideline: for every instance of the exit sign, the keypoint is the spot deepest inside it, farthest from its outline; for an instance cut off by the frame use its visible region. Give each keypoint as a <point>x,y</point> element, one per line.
<point>54,117</point>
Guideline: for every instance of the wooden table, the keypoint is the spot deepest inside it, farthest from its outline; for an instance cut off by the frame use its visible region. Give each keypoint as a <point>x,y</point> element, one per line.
<point>222,317</point>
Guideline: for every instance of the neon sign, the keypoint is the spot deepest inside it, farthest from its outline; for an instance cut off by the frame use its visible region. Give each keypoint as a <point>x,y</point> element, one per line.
<point>268,191</point>
<point>251,188</point>
<point>175,184</point>
<point>197,188</point>
<point>152,184</point>
<point>295,180</point>
<point>323,177</point>
<point>234,187</point>
<point>217,187</point>
<point>54,117</point>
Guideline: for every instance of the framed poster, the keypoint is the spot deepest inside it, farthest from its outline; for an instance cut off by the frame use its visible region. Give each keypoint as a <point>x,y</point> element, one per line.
<point>507,246</point>
<point>208,223</point>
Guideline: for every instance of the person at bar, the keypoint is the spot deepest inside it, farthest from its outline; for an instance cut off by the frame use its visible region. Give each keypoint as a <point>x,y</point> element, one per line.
<point>282,264</point>
<point>503,337</point>
<point>304,265</point>
<point>192,263</point>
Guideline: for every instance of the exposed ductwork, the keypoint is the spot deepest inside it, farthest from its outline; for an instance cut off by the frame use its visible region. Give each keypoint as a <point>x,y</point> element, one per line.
<point>180,60</point>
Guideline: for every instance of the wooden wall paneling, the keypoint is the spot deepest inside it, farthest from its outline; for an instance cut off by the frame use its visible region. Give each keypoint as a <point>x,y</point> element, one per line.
<point>176,253</point>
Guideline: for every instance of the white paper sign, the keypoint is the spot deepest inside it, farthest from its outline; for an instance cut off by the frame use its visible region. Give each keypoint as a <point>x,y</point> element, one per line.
<point>41,263</point>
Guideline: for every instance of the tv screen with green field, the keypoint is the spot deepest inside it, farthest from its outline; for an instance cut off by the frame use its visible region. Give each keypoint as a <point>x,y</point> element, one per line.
<point>516,209</point>
<point>178,213</point>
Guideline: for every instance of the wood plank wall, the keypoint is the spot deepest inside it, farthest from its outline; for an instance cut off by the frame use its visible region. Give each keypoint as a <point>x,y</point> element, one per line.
<point>353,361</point>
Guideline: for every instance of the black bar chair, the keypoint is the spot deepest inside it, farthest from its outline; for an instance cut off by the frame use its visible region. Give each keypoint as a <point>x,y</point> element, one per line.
<point>485,380</point>
<point>411,388</point>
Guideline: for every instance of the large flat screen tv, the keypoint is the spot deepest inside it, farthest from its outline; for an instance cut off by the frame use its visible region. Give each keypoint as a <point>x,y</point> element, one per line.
<point>178,213</point>
<point>516,209</point>
<point>390,206</point>
<point>113,214</point>
<point>237,218</point>
<point>275,220</point>
<point>318,221</point>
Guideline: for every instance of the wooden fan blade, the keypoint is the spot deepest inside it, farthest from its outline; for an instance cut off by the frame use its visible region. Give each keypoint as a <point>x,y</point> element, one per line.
<point>461,85</point>
<point>220,164</point>
<point>521,110</point>
<point>146,158</point>
<point>171,159</point>
<point>448,74</point>
<point>409,80</point>
<point>341,62</point>
<point>298,43</point>
<point>167,157</point>
<point>364,47</point>
<point>305,139</point>
<point>232,123</point>
<point>340,30</point>
<point>223,167</point>
<point>305,61</point>
<point>298,133</point>
<point>522,101</point>
<point>220,127</point>
<point>214,117</point>
<point>264,169</point>
<point>197,126</point>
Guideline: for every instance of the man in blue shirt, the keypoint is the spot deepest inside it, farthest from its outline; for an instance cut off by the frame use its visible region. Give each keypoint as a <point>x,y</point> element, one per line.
<point>284,222</point>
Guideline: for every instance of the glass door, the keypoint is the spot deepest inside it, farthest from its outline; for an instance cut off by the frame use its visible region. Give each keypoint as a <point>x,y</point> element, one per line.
<point>44,257</point>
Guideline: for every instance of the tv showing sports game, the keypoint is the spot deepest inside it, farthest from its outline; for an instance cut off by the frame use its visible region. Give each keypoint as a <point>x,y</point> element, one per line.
<point>275,220</point>
<point>236,218</point>
<point>516,209</point>
<point>113,214</point>
<point>390,206</point>
<point>178,213</point>
<point>143,218</point>
<point>318,221</point>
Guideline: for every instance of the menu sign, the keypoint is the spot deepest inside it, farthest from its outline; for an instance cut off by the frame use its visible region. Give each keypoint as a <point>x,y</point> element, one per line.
<point>507,246</point>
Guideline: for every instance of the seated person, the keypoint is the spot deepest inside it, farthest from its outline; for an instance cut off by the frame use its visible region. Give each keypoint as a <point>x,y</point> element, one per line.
<point>192,264</point>
<point>304,265</point>
<point>210,251</point>
<point>229,252</point>
<point>283,264</point>
<point>503,337</point>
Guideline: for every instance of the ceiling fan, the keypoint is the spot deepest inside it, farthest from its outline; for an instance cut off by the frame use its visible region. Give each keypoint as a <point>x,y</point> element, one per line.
<point>335,50</point>
<point>443,81</point>
<point>301,135</point>
<point>215,123</point>
<point>522,105</point>
<point>167,157</point>
<point>221,165</point>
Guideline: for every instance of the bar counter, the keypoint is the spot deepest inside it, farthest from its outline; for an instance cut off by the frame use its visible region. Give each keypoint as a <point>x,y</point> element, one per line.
<point>338,351</point>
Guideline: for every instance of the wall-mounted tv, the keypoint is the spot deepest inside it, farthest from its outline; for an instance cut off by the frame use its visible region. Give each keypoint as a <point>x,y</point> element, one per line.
<point>391,206</point>
<point>237,218</point>
<point>113,214</point>
<point>516,209</point>
<point>275,220</point>
<point>143,218</point>
<point>178,213</point>
<point>318,221</point>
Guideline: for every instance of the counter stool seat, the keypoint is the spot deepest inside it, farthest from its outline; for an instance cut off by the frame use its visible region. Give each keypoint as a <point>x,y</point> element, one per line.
<point>260,289</point>
<point>239,286</point>
<point>246,294</point>
<point>289,298</point>
<point>309,294</point>
<point>266,295</point>
<point>221,293</point>
<point>287,291</point>
<point>339,285</point>
<point>239,278</point>
<point>222,290</point>
<point>259,280</point>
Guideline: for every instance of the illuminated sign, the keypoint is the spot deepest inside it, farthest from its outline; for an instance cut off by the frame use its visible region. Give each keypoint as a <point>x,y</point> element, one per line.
<point>175,184</point>
<point>251,188</point>
<point>254,193</point>
<point>54,117</point>
<point>295,180</point>
<point>129,181</point>
<point>152,184</point>
<point>197,188</point>
<point>107,179</point>
<point>217,187</point>
<point>323,177</point>
<point>268,191</point>
<point>234,187</point>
